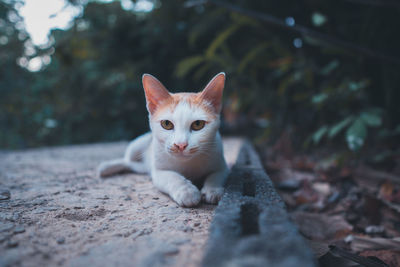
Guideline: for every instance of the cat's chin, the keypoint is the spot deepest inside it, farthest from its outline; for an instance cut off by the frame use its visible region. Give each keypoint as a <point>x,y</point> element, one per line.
<point>181,156</point>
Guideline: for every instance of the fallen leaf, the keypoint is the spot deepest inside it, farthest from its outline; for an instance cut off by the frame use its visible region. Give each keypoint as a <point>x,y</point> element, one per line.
<point>321,227</point>
<point>386,191</point>
<point>339,257</point>
<point>372,209</point>
<point>372,174</point>
<point>289,185</point>
<point>327,164</point>
<point>362,243</point>
<point>396,196</point>
<point>319,248</point>
<point>291,174</point>
<point>391,221</point>
<point>303,163</point>
<point>374,229</point>
<point>345,172</point>
<point>391,205</point>
<point>306,194</point>
<point>322,188</point>
<point>390,257</point>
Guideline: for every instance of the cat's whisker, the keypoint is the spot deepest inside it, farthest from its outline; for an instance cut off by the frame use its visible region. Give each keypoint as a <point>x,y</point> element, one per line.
<point>204,152</point>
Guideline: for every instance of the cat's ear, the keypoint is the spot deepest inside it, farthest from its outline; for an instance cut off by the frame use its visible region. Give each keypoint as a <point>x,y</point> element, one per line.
<point>212,93</point>
<point>155,92</point>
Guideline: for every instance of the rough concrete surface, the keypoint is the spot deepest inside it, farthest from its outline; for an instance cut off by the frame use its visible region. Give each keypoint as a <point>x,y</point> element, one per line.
<point>54,211</point>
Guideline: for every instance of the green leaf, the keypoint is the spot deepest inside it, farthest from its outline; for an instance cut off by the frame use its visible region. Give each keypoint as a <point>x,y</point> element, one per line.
<point>330,67</point>
<point>317,99</point>
<point>371,119</point>
<point>187,64</point>
<point>313,41</point>
<point>201,71</point>
<point>220,39</point>
<point>385,133</point>
<point>242,19</point>
<point>356,134</point>
<point>335,129</point>
<point>380,157</point>
<point>317,136</point>
<point>355,86</point>
<point>251,55</point>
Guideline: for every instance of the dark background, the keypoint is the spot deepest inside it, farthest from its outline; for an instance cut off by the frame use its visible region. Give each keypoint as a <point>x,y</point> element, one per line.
<point>279,80</point>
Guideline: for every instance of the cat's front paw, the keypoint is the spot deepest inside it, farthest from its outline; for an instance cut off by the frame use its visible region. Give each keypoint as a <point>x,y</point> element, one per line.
<point>187,196</point>
<point>212,195</point>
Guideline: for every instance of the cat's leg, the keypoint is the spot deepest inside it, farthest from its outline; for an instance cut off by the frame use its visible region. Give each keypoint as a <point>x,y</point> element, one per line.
<point>180,189</point>
<point>213,187</point>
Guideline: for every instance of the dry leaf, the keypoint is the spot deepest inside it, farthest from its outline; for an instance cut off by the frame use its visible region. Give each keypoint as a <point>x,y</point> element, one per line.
<point>386,191</point>
<point>306,194</point>
<point>321,227</point>
<point>390,257</point>
<point>360,243</point>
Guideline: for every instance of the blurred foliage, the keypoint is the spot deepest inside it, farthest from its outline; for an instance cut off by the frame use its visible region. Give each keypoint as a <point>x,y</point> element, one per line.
<point>283,81</point>
<point>278,81</point>
<point>14,115</point>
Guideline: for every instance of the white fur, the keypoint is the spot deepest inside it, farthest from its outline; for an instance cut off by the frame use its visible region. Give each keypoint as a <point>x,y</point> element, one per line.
<point>171,172</point>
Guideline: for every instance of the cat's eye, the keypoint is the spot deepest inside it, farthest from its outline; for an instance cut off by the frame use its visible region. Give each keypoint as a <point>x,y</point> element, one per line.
<point>197,125</point>
<point>167,125</point>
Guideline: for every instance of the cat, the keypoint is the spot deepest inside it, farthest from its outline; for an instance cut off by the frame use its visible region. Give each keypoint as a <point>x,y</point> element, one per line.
<point>184,146</point>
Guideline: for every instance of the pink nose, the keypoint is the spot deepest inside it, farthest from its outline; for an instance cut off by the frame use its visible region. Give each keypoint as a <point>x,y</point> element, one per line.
<point>181,146</point>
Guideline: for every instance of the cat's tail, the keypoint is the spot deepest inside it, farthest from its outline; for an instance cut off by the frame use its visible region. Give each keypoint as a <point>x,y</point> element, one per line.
<point>115,166</point>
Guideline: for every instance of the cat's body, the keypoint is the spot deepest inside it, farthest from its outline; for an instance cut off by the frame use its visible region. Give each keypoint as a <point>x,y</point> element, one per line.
<point>184,147</point>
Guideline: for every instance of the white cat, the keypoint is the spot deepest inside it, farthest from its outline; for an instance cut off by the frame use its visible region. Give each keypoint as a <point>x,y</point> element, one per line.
<point>184,144</point>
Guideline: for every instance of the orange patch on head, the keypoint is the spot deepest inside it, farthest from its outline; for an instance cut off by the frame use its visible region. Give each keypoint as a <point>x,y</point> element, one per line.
<point>159,99</point>
<point>194,100</point>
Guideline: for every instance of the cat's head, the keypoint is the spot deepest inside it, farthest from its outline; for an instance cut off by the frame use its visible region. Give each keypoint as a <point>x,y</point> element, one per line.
<point>185,124</point>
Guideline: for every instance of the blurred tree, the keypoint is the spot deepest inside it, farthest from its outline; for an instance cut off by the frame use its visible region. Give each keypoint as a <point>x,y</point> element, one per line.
<point>284,80</point>
<point>279,80</point>
<point>15,117</point>
<point>92,88</point>
<point>94,81</point>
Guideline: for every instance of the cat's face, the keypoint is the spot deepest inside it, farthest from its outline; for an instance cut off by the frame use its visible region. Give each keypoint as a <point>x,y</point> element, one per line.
<point>185,124</point>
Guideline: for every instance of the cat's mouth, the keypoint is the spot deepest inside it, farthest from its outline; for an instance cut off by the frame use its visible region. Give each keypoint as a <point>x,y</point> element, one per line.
<point>183,154</point>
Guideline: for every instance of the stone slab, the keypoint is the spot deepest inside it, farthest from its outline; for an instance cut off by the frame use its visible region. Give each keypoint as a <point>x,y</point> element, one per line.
<point>54,211</point>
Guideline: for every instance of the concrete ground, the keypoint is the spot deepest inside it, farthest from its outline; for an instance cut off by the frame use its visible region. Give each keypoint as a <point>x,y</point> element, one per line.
<point>54,211</point>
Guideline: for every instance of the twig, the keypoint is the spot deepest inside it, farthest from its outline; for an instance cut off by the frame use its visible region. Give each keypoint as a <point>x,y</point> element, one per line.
<point>328,39</point>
